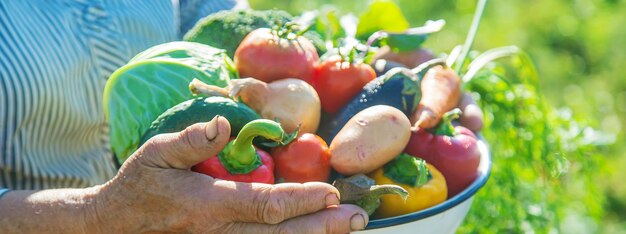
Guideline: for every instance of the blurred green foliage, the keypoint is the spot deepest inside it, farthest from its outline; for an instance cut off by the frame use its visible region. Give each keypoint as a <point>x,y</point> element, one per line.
<point>578,48</point>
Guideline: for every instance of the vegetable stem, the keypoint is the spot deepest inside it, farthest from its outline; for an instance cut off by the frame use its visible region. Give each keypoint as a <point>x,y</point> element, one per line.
<point>379,190</point>
<point>406,169</point>
<point>471,35</point>
<point>424,67</point>
<point>378,35</point>
<point>239,156</point>
<point>445,127</point>
<point>197,87</point>
<point>494,54</point>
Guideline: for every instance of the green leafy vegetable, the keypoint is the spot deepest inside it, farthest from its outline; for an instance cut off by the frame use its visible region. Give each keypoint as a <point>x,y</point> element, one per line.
<point>154,81</point>
<point>206,58</point>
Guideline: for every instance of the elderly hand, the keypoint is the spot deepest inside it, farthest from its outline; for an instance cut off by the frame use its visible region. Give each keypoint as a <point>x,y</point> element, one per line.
<point>155,191</point>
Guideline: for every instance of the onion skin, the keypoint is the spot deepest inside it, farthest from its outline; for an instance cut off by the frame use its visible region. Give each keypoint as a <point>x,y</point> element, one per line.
<point>291,102</point>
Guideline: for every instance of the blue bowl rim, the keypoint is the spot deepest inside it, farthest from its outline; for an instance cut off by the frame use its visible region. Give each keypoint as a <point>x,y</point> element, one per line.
<point>484,171</point>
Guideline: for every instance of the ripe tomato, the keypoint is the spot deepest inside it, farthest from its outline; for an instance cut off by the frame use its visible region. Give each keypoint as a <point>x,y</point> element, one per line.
<point>264,56</point>
<point>305,159</point>
<point>337,81</point>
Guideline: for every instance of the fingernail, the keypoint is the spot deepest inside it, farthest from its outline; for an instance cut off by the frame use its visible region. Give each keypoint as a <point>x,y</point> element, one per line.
<point>223,128</point>
<point>212,128</point>
<point>357,222</point>
<point>332,199</point>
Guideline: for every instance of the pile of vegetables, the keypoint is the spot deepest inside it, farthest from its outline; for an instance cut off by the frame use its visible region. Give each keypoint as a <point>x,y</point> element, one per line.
<point>297,117</point>
<point>374,113</point>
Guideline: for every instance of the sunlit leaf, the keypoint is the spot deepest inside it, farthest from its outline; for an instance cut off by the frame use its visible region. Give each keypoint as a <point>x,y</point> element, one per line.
<point>412,38</point>
<point>381,15</point>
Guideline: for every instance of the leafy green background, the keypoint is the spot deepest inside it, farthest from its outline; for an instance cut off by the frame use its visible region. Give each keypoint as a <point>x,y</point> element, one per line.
<point>578,49</point>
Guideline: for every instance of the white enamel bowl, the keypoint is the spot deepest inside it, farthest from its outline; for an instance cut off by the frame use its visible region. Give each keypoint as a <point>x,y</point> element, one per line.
<point>442,218</point>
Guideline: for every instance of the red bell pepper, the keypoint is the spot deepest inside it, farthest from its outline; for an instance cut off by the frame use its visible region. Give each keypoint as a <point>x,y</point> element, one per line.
<point>452,150</point>
<point>240,160</point>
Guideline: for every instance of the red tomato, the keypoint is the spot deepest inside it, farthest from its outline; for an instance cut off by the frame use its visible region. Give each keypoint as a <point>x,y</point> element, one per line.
<point>305,159</point>
<point>264,56</point>
<point>337,81</point>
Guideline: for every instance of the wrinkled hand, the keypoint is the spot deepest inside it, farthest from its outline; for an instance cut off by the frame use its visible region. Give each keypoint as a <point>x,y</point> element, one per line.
<point>155,191</point>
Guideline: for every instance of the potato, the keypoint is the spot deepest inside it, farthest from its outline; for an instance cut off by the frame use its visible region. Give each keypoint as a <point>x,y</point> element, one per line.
<point>370,139</point>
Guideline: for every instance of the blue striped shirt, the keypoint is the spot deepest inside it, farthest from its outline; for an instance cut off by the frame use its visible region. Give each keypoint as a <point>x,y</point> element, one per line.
<point>55,59</point>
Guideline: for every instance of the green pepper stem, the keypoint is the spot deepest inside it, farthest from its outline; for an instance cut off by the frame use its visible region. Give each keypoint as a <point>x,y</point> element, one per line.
<point>445,127</point>
<point>423,174</point>
<point>239,156</point>
<point>379,190</point>
<point>408,170</point>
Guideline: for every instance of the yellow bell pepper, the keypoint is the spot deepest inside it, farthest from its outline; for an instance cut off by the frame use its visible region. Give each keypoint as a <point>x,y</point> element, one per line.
<point>427,188</point>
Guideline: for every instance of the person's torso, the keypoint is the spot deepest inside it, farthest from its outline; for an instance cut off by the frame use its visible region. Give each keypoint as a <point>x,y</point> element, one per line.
<point>55,58</point>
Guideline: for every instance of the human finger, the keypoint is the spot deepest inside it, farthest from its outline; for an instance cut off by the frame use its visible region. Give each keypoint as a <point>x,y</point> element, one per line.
<point>337,219</point>
<point>272,204</point>
<point>182,150</point>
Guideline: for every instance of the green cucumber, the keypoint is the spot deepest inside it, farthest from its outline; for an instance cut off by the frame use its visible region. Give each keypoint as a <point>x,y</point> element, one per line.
<point>199,110</point>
